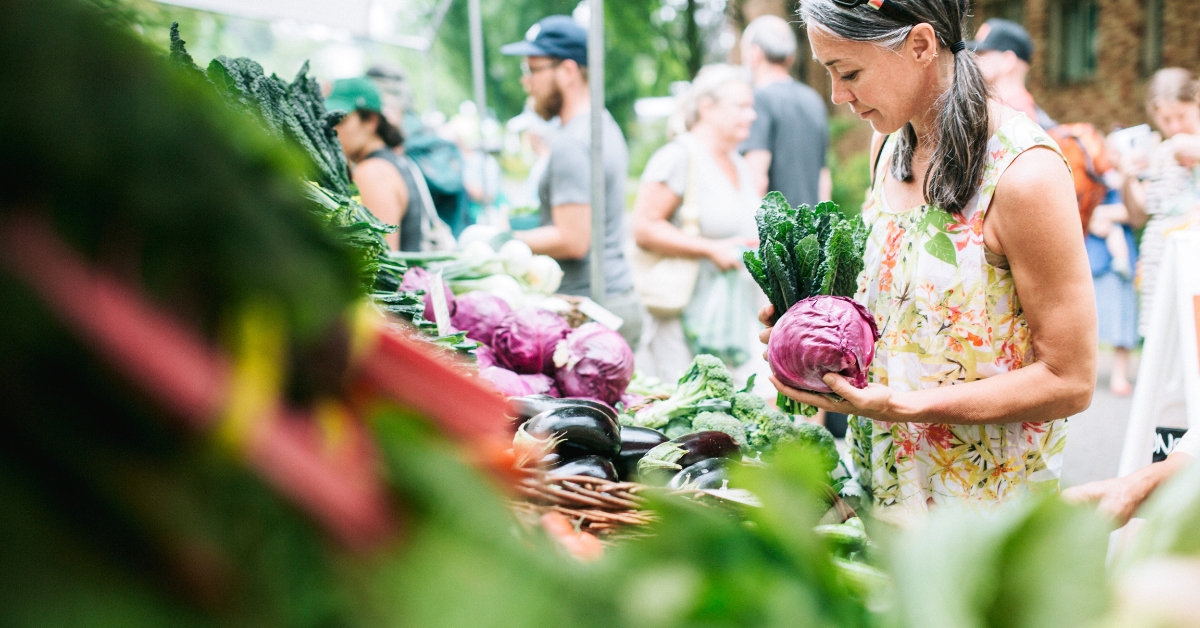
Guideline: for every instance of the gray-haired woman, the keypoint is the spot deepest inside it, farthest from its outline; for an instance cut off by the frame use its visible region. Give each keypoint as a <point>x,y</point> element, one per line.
<point>716,113</point>
<point>971,205</point>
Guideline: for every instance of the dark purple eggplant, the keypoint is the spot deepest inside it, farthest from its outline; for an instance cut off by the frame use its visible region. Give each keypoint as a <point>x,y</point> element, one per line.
<point>685,451</point>
<point>591,466</point>
<point>575,431</point>
<point>635,442</point>
<point>529,406</point>
<point>706,474</point>
<point>532,405</point>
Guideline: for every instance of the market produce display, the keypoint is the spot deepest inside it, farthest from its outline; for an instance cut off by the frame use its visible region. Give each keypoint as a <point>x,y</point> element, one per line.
<point>208,422</point>
<point>806,258</point>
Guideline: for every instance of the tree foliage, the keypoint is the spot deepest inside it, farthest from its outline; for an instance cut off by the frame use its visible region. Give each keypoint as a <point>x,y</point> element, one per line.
<point>641,59</point>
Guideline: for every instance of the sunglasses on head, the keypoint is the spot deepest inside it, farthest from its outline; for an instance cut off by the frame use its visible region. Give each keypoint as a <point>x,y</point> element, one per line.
<point>890,8</point>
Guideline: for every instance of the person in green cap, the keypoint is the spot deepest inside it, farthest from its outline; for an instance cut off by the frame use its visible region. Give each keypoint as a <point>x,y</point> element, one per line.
<point>385,179</point>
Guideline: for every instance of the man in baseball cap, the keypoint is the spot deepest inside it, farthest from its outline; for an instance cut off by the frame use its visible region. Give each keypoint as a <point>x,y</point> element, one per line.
<point>554,74</point>
<point>1004,52</point>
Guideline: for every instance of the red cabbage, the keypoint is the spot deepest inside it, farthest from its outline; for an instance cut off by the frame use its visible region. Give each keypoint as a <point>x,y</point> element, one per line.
<point>479,313</point>
<point>524,341</point>
<point>417,278</point>
<point>484,357</point>
<point>819,335</point>
<point>594,362</point>
<point>630,400</point>
<point>541,384</point>
<point>507,382</point>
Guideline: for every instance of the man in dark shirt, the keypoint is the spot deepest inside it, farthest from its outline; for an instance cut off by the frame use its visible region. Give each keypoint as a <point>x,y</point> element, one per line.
<point>555,76</point>
<point>787,143</point>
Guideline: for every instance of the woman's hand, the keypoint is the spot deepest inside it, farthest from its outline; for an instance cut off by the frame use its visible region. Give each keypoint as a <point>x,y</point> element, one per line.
<point>873,402</point>
<point>726,254</point>
<point>764,317</point>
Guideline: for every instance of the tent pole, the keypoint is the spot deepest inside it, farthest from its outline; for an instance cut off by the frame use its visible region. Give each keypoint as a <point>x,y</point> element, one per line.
<point>477,73</point>
<point>596,83</point>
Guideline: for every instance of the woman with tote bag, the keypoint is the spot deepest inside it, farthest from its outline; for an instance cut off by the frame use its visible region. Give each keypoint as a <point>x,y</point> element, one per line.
<point>693,218</point>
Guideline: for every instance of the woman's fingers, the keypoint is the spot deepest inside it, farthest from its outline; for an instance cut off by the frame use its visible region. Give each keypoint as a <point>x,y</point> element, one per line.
<point>812,399</point>
<point>842,388</point>
<point>765,314</point>
<point>764,317</point>
<point>873,402</point>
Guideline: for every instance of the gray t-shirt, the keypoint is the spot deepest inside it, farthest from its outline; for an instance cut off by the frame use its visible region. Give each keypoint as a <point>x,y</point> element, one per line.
<point>793,126</point>
<point>567,180</point>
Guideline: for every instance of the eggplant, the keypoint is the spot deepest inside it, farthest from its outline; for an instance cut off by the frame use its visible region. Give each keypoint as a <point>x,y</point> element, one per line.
<point>706,474</point>
<point>685,451</point>
<point>591,466</point>
<point>530,406</point>
<point>573,431</point>
<point>635,442</point>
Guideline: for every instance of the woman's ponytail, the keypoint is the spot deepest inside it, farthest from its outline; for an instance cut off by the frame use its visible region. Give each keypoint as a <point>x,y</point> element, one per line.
<point>963,124</point>
<point>956,169</point>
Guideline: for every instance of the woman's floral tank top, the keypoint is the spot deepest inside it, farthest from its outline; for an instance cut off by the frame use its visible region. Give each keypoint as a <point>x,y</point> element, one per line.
<point>948,314</point>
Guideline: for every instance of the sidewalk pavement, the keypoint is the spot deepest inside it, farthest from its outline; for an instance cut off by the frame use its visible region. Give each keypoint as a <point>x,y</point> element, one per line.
<point>1096,435</point>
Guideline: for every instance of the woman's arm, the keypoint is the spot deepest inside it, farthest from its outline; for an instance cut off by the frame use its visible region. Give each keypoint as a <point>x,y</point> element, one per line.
<point>653,230</point>
<point>384,193</point>
<point>1034,222</point>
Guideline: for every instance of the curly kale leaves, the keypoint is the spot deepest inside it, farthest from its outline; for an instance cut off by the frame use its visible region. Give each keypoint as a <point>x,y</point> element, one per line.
<point>805,251</point>
<point>295,112</point>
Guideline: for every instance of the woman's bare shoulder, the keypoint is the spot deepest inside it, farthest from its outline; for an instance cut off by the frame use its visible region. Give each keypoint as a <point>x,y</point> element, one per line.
<point>377,170</point>
<point>1035,197</point>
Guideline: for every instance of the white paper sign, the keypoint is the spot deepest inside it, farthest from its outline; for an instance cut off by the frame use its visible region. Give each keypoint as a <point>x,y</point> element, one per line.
<point>441,311</point>
<point>594,311</point>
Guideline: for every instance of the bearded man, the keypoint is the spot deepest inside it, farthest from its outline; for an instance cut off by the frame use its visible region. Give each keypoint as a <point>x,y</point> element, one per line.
<point>555,77</point>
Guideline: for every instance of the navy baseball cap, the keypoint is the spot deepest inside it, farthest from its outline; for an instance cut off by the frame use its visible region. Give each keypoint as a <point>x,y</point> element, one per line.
<point>1003,35</point>
<point>556,36</point>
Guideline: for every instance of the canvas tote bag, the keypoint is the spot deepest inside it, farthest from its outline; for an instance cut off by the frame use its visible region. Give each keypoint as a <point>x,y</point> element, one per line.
<point>435,233</point>
<point>665,284</point>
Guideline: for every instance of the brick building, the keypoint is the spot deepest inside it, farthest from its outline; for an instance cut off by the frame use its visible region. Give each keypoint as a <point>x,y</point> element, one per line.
<point>1091,57</point>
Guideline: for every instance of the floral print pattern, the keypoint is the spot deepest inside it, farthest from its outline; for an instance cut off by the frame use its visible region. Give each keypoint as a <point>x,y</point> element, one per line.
<point>947,315</point>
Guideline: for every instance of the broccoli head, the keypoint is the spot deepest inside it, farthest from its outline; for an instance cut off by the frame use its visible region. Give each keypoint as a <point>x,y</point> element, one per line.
<point>748,406</point>
<point>707,378</point>
<point>820,442</point>
<point>678,427</point>
<point>770,429</point>
<point>720,422</point>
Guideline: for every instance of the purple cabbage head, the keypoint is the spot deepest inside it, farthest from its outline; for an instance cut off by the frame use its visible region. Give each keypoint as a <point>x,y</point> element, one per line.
<point>478,314</point>
<point>417,278</point>
<point>819,335</point>
<point>524,341</point>
<point>507,382</point>
<point>594,362</point>
<point>484,357</point>
<point>540,384</point>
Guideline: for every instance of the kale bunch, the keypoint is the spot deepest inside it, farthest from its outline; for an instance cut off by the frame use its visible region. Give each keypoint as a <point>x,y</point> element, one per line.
<point>295,112</point>
<point>804,252</point>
